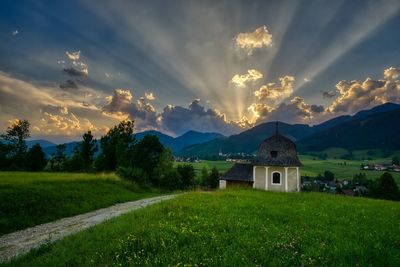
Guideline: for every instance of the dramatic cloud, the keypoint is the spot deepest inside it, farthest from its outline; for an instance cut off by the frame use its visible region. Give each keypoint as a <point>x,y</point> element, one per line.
<point>149,96</point>
<point>69,84</point>
<point>351,96</point>
<point>356,95</point>
<point>76,72</point>
<point>276,92</point>
<point>174,120</point>
<point>74,56</point>
<point>305,110</point>
<point>328,94</point>
<point>391,74</point>
<point>252,75</point>
<point>52,111</point>
<point>260,110</point>
<point>248,41</point>
<point>297,111</point>
<point>78,68</point>
<point>178,120</point>
<point>122,105</point>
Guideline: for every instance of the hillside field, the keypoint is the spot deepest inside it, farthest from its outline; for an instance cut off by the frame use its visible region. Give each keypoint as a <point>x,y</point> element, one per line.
<point>238,228</point>
<point>28,199</point>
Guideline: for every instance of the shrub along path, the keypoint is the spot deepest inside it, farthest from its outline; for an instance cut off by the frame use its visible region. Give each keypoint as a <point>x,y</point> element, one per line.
<point>21,242</point>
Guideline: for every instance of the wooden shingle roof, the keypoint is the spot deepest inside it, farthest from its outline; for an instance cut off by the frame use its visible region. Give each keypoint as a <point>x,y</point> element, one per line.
<point>239,172</point>
<point>277,150</point>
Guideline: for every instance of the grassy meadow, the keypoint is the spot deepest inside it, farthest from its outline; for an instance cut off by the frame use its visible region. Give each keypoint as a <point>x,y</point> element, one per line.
<point>343,169</point>
<point>237,228</point>
<point>28,199</point>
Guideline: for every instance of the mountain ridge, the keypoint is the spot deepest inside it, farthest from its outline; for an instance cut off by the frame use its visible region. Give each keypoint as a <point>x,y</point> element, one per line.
<point>248,141</point>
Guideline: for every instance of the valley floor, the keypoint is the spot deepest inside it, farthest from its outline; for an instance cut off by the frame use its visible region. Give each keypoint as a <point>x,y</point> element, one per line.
<point>240,227</point>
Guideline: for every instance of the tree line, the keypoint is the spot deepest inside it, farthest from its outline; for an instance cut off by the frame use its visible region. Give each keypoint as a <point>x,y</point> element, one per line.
<point>146,162</point>
<point>385,187</point>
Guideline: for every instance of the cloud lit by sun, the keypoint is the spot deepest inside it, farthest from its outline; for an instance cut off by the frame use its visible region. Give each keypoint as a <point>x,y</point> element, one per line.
<point>247,62</point>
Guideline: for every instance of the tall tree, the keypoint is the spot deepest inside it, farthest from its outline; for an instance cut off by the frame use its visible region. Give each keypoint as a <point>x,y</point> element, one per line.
<point>187,175</point>
<point>58,159</point>
<point>116,147</point>
<point>35,158</point>
<point>87,149</point>
<point>148,153</point>
<point>387,188</point>
<point>15,136</point>
<point>4,152</point>
<point>213,178</point>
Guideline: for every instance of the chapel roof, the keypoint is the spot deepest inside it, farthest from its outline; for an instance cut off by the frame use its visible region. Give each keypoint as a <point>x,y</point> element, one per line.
<point>277,150</point>
<point>239,172</point>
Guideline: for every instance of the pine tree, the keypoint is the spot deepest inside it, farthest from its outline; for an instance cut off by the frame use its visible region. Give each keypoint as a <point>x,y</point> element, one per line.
<point>87,148</point>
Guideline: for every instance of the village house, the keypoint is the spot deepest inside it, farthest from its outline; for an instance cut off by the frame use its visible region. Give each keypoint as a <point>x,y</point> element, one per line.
<point>275,168</point>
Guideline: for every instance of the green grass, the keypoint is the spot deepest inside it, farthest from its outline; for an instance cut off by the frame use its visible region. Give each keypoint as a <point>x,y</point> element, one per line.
<point>313,167</point>
<point>28,199</point>
<point>34,177</point>
<point>338,152</point>
<point>238,228</point>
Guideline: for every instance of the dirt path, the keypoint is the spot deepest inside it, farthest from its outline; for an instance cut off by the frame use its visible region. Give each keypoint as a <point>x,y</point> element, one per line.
<point>21,242</point>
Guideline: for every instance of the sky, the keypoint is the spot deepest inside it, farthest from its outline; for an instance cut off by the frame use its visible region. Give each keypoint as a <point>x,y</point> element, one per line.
<point>179,65</point>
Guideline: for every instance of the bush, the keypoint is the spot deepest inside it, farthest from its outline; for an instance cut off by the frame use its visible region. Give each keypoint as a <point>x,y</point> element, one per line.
<point>386,188</point>
<point>35,159</point>
<point>203,177</point>
<point>133,174</point>
<point>329,176</point>
<point>171,180</point>
<point>213,178</point>
<point>360,179</point>
<point>187,175</point>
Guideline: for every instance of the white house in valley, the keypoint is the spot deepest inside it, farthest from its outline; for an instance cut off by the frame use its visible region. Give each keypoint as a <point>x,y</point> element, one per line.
<point>275,168</point>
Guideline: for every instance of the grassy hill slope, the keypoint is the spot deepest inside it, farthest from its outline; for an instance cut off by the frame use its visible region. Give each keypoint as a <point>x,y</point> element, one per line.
<point>238,228</point>
<point>28,199</point>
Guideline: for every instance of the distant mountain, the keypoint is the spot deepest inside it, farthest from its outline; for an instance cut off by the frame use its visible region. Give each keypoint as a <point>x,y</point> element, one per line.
<point>42,143</point>
<point>69,148</point>
<point>368,131</point>
<point>247,141</point>
<point>193,137</point>
<point>359,115</point>
<point>177,143</point>
<point>166,140</point>
<point>308,137</point>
